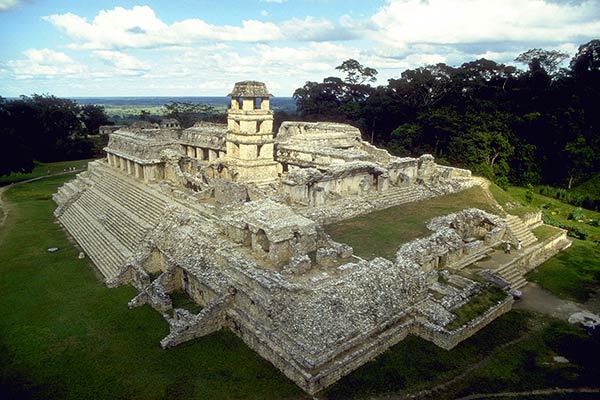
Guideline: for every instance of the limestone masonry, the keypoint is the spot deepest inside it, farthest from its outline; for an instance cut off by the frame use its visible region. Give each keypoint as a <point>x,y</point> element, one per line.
<point>232,216</point>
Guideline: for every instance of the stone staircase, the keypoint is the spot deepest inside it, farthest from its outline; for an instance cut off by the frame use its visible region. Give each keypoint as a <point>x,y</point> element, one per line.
<point>110,219</point>
<point>519,230</point>
<point>473,258</point>
<point>511,274</point>
<point>396,196</point>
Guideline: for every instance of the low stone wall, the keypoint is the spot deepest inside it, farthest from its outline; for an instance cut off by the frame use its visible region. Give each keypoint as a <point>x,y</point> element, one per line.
<point>449,339</point>
<point>543,251</point>
<point>533,219</point>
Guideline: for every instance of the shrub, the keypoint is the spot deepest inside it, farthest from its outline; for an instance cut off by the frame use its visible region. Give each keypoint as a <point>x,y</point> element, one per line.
<point>529,193</point>
<point>576,214</point>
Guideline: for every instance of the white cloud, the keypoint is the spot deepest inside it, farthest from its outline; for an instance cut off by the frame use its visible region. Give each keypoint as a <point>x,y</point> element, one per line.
<point>123,63</point>
<point>140,28</point>
<point>264,13</point>
<point>315,29</point>
<point>405,22</point>
<point>44,63</point>
<point>273,1</point>
<point>6,5</point>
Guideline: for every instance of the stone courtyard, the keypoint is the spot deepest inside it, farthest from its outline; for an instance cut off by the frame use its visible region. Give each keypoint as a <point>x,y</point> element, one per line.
<point>233,217</point>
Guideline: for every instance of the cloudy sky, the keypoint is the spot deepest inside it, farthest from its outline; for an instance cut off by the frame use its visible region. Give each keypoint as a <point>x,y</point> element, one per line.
<point>201,47</point>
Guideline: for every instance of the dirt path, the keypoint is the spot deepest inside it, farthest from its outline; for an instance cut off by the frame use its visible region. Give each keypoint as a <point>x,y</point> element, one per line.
<point>536,299</point>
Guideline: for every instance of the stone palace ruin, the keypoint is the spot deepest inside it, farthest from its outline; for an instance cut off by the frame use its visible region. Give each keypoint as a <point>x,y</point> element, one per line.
<point>233,217</point>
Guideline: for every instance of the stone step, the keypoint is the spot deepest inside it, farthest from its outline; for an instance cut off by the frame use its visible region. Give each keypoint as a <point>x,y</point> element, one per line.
<point>511,274</point>
<point>117,220</point>
<point>520,230</point>
<point>95,241</point>
<point>145,207</point>
<point>137,191</point>
<point>466,261</point>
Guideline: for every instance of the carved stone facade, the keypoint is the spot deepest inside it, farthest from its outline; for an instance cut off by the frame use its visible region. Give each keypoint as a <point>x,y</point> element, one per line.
<point>232,217</point>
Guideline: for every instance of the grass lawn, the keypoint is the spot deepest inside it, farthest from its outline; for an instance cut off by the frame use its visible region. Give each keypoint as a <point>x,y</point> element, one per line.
<point>573,274</point>
<point>63,334</point>
<point>529,364</point>
<point>503,198</point>
<point>526,364</point>
<point>544,232</point>
<point>380,233</point>
<point>41,169</point>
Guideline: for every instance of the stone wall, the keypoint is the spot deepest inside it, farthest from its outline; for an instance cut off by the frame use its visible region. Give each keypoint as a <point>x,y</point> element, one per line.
<point>541,252</point>
<point>449,339</point>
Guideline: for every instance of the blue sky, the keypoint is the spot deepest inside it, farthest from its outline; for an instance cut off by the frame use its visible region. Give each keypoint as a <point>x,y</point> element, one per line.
<point>201,47</point>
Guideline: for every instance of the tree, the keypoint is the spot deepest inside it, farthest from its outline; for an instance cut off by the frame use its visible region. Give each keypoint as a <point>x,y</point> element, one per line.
<point>15,155</point>
<point>579,161</point>
<point>93,117</point>
<point>586,62</point>
<point>320,100</point>
<point>548,60</point>
<point>356,73</point>
<point>423,87</point>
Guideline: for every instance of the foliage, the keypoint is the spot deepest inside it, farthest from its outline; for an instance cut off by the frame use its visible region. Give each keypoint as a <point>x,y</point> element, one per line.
<point>576,198</point>
<point>45,128</point>
<point>529,193</point>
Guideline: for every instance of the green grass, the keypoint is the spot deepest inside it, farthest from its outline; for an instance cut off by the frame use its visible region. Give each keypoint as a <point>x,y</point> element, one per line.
<point>182,300</point>
<point>63,334</point>
<point>415,364</point>
<point>544,232</point>
<point>572,274</point>
<point>529,365</point>
<point>503,197</point>
<point>380,233</point>
<point>476,306</point>
<point>43,169</point>
<point>591,187</point>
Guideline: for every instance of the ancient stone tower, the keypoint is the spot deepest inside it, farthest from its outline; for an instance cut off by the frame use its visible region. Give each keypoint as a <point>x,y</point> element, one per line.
<point>250,133</point>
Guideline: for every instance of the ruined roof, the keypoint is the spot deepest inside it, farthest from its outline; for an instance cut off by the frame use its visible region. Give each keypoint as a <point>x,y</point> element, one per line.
<point>250,89</point>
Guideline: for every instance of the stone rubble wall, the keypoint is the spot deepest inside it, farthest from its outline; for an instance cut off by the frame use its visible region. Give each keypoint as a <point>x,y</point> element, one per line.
<point>446,339</point>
